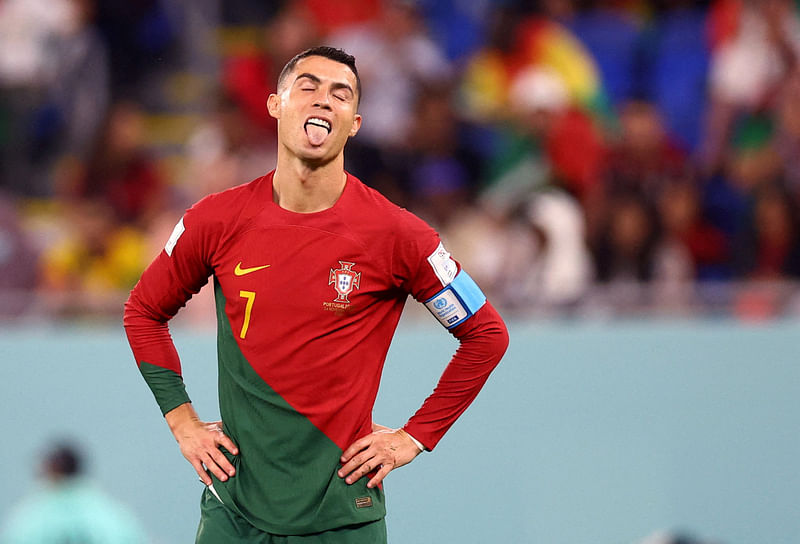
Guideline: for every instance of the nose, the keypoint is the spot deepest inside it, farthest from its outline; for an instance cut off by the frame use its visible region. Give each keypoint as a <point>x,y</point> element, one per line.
<point>322,101</point>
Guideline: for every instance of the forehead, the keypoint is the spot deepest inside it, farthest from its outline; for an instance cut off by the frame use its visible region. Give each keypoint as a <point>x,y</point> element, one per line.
<point>325,69</point>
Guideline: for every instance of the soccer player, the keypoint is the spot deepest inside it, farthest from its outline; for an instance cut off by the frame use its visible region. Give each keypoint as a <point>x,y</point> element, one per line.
<point>311,272</point>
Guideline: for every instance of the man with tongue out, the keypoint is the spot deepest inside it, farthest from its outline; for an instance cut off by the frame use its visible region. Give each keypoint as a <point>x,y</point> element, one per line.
<point>311,271</point>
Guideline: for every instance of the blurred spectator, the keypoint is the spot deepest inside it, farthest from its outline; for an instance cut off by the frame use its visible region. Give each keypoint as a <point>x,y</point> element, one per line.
<point>538,88</point>
<point>18,262</point>
<point>639,165</point>
<point>624,249</point>
<point>395,60</point>
<point>645,157</point>
<point>751,166</point>
<point>544,42</point>
<point>225,150</point>
<point>562,270</point>
<point>756,46</point>
<point>250,73</point>
<point>518,42</point>
<point>55,85</point>
<point>753,52</point>
<point>69,509</point>
<point>769,249</point>
<point>91,258</point>
<point>27,29</point>
<point>79,94</point>
<point>443,172</point>
<point>121,172</point>
<point>688,248</point>
<point>545,128</point>
<point>485,78</point>
<point>93,246</point>
<point>532,258</point>
<point>787,132</point>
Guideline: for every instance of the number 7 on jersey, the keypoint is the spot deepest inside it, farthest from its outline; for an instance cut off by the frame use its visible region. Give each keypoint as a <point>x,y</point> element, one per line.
<point>251,297</point>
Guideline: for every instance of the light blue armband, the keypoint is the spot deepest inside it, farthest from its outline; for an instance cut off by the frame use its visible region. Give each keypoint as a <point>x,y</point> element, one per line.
<point>457,302</point>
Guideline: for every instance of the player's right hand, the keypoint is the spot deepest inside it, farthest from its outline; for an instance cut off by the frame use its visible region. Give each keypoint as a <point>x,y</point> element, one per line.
<point>200,441</point>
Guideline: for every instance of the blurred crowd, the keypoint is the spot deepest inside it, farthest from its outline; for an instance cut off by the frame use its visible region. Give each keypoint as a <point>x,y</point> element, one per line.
<point>642,150</point>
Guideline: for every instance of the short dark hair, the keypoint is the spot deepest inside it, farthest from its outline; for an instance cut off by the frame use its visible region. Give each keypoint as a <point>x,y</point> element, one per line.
<point>63,460</point>
<point>332,53</point>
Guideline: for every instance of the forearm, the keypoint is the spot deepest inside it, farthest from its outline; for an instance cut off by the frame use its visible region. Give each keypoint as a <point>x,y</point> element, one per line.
<point>154,351</point>
<point>483,343</point>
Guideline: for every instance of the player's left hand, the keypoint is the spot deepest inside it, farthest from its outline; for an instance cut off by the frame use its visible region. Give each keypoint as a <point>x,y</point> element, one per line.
<point>384,449</point>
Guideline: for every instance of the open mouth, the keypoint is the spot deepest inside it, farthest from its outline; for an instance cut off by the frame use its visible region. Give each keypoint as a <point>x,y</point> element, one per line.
<point>317,122</point>
<point>317,130</point>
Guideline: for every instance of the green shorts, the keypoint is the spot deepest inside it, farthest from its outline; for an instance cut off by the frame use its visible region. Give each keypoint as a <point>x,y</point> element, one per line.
<point>220,524</point>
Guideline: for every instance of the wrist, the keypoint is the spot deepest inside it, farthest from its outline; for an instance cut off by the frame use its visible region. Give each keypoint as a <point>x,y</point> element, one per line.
<point>181,416</point>
<point>416,442</point>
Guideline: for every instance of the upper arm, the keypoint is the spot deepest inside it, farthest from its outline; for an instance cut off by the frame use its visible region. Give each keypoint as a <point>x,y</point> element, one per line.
<point>179,271</point>
<point>432,276</point>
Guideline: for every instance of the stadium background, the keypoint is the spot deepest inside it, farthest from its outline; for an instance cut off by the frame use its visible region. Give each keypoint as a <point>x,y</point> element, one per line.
<point>621,178</point>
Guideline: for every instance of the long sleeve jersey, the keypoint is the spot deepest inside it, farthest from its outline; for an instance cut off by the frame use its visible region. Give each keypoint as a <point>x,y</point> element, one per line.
<point>307,305</point>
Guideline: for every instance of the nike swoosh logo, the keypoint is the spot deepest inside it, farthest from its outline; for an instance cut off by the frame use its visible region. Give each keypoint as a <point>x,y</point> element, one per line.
<point>239,271</point>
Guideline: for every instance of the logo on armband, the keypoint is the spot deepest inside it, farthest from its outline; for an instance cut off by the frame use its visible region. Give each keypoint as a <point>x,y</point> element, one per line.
<point>457,302</point>
<point>447,308</point>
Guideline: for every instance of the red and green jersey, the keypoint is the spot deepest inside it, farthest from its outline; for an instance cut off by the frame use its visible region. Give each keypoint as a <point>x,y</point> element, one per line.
<point>306,306</point>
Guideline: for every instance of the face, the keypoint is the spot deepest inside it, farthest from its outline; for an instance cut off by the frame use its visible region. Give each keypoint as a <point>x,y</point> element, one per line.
<point>316,109</point>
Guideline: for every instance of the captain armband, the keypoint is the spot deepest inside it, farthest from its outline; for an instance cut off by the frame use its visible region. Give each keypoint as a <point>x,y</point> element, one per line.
<point>457,302</point>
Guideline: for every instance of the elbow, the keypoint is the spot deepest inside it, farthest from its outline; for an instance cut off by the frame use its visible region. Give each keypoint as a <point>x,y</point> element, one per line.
<point>494,329</point>
<point>133,310</point>
<point>130,312</point>
<point>496,340</point>
<point>502,338</point>
<point>137,312</point>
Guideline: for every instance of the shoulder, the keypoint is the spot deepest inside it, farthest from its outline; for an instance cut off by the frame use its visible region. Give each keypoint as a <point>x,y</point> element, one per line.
<point>222,212</point>
<point>215,216</point>
<point>373,207</point>
<point>410,238</point>
<point>229,202</point>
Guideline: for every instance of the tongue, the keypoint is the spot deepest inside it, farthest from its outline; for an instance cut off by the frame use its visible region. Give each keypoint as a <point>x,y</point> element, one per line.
<point>316,135</point>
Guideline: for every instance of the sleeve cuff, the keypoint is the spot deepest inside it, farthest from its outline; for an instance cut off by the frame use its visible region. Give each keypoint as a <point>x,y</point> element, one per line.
<point>167,386</point>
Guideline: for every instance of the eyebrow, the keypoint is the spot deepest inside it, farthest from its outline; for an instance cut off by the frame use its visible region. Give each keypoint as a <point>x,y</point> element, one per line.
<point>335,85</point>
<point>306,75</point>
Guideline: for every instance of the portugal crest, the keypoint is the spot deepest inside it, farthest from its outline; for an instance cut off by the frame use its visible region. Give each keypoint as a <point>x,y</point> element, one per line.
<point>344,280</point>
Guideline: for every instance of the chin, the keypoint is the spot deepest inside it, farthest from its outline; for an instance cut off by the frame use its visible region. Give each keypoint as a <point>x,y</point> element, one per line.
<point>317,157</point>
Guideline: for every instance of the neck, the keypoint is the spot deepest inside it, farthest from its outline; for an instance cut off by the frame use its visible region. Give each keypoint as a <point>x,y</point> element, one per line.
<point>303,188</point>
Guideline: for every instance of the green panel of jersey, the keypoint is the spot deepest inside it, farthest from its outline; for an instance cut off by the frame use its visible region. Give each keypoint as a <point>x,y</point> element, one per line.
<point>286,481</point>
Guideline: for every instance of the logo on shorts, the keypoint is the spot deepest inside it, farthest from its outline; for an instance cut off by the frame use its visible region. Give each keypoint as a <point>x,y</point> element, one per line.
<point>344,280</point>
<point>363,502</point>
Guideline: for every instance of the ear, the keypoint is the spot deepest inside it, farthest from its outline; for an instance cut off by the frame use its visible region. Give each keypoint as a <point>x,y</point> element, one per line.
<point>356,125</point>
<point>274,106</point>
